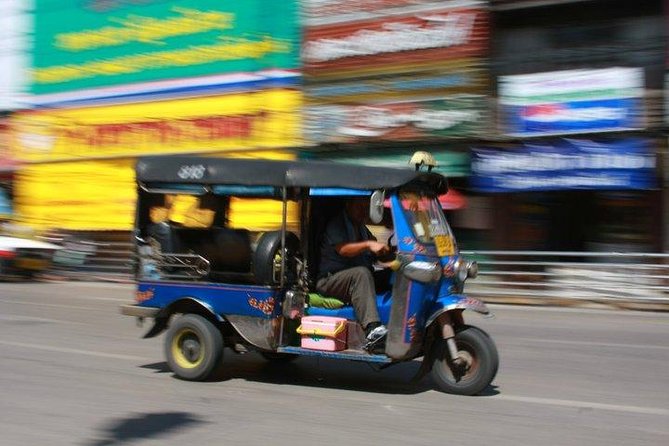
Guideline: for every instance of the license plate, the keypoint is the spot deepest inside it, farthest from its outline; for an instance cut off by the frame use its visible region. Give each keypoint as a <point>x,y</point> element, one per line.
<point>445,245</point>
<point>31,263</point>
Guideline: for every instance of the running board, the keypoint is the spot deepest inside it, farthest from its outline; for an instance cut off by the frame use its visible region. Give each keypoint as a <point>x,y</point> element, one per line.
<point>353,355</point>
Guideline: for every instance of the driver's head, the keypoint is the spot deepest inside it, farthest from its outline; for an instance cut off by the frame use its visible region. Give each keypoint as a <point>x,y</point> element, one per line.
<point>358,209</point>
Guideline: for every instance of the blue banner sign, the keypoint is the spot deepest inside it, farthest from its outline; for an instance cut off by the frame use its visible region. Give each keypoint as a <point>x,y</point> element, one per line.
<point>567,164</point>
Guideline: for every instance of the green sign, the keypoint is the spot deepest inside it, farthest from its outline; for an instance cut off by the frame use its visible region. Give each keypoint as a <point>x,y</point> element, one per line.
<point>460,115</point>
<point>449,163</point>
<point>82,44</point>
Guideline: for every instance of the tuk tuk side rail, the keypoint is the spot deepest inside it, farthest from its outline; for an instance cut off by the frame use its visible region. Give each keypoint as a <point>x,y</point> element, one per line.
<point>175,266</point>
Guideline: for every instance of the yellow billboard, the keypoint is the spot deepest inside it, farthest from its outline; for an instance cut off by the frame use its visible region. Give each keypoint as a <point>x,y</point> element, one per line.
<point>101,195</point>
<point>263,119</point>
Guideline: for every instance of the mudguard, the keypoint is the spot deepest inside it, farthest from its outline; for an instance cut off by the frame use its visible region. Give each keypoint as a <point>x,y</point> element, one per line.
<point>184,305</point>
<point>448,302</point>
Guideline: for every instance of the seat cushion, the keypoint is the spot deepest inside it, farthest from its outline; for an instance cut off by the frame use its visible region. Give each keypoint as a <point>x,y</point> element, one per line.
<point>383,303</point>
<point>320,301</point>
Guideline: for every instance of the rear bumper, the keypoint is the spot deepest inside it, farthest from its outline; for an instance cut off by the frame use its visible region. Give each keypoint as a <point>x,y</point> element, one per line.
<point>138,311</point>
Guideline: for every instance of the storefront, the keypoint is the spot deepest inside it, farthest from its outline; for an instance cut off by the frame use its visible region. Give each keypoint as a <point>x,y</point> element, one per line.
<point>572,194</point>
<point>7,168</point>
<point>597,188</point>
<point>79,163</point>
<point>543,36</point>
<point>150,78</point>
<point>386,78</point>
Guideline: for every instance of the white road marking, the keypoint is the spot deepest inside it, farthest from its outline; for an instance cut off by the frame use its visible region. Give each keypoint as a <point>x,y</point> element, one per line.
<point>53,348</point>
<point>584,310</point>
<point>17,317</point>
<point>39,304</point>
<point>591,343</point>
<point>583,404</point>
<point>501,397</point>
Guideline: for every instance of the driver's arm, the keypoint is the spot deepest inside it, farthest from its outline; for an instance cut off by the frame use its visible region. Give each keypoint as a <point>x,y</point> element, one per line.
<point>353,249</point>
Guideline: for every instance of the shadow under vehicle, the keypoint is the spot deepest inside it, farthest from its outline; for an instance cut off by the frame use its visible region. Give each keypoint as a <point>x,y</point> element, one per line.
<point>217,286</point>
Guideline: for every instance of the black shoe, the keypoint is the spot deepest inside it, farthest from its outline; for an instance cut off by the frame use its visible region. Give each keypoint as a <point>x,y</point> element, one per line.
<point>376,338</point>
<point>377,333</point>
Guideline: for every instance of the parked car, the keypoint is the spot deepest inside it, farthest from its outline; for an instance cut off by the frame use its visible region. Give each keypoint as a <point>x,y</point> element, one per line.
<point>24,257</point>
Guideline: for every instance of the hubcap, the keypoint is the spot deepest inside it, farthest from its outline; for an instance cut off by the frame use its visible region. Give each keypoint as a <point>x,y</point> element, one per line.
<point>187,350</point>
<point>464,366</point>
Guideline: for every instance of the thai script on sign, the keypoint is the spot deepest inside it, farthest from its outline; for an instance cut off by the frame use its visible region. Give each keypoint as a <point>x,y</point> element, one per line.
<point>227,49</point>
<point>162,132</point>
<point>324,8</point>
<point>436,31</point>
<point>383,119</point>
<point>146,29</point>
<point>536,161</point>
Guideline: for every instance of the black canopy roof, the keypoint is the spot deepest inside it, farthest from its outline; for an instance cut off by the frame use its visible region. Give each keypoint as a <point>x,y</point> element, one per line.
<point>255,172</point>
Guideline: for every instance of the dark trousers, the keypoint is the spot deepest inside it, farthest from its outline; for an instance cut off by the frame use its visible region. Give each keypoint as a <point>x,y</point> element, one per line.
<point>356,287</point>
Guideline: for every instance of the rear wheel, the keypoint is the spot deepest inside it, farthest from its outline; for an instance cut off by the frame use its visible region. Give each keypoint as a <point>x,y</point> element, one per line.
<point>475,368</point>
<point>193,347</point>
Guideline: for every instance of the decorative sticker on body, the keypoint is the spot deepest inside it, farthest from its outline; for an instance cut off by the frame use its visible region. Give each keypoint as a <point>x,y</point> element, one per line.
<point>265,306</point>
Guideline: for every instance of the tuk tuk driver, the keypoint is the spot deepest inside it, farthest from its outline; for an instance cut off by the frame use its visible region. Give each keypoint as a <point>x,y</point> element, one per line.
<point>348,252</point>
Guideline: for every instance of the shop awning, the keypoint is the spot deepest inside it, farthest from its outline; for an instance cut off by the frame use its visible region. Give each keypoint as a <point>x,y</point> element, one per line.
<point>452,200</point>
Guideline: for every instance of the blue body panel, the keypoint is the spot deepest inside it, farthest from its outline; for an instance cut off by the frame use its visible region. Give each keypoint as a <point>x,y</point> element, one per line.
<point>243,300</point>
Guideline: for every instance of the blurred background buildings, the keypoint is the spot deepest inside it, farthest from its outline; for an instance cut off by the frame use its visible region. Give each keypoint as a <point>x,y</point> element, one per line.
<point>548,116</point>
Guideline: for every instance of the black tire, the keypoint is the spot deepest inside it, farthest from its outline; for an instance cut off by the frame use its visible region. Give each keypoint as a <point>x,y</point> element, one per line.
<point>193,347</point>
<point>279,358</point>
<point>482,362</point>
<point>268,247</point>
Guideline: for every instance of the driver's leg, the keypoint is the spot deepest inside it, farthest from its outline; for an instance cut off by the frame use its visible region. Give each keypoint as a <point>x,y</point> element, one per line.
<point>354,286</point>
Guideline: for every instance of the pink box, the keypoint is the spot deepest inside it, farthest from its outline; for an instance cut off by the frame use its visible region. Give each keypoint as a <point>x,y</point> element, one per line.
<point>323,333</point>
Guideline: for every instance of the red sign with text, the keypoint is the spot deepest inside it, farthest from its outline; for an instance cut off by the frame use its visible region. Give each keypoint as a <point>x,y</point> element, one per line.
<point>391,42</point>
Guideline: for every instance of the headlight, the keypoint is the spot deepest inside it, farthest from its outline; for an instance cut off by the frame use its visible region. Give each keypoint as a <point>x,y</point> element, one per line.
<point>422,271</point>
<point>461,270</point>
<point>472,269</point>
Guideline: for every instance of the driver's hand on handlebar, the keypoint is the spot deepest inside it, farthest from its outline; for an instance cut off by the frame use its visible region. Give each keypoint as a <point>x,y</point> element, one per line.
<point>377,248</point>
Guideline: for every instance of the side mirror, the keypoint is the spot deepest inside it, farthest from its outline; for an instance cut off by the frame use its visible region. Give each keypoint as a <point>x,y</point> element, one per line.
<point>376,206</point>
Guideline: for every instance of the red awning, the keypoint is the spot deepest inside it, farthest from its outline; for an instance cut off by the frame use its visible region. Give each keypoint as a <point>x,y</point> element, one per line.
<point>452,200</point>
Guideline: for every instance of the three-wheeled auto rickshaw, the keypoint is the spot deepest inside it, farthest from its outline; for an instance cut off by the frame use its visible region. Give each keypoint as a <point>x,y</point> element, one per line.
<point>211,285</point>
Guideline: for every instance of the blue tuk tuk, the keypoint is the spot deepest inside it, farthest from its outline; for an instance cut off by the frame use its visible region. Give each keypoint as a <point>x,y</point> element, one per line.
<point>210,285</point>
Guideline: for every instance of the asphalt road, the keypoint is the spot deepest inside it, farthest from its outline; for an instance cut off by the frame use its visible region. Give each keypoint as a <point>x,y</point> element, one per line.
<point>73,371</point>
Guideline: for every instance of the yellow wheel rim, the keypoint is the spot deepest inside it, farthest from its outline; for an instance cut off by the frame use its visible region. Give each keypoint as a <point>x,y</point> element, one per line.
<point>187,349</point>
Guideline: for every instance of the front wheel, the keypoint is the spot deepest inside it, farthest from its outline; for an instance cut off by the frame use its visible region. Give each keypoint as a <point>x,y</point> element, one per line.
<point>193,347</point>
<point>475,368</point>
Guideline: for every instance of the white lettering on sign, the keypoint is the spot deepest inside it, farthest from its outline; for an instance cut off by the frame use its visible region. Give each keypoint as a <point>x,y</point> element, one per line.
<point>374,121</point>
<point>192,172</point>
<point>500,163</point>
<point>439,31</point>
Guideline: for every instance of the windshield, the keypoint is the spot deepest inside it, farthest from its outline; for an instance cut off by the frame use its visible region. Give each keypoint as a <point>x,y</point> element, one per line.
<point>428,222</point>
